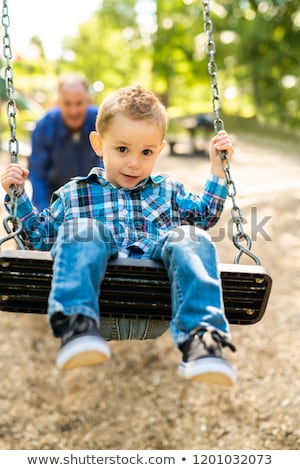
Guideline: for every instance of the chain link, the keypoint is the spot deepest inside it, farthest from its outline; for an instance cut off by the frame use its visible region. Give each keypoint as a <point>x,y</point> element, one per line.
<point>240,236</point>
<point>12,223</point>
<point>9,81</point>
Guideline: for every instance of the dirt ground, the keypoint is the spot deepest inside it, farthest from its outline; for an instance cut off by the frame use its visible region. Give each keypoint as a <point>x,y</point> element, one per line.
<point>137,400</point>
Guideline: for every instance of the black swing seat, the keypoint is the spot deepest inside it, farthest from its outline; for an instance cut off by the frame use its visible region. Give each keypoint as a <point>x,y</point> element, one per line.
<point>131,288</point>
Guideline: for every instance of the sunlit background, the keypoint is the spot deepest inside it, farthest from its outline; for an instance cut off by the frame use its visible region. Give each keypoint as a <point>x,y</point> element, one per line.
<point>161,44</point>
<point>50,21</point>
<point>137,402</point>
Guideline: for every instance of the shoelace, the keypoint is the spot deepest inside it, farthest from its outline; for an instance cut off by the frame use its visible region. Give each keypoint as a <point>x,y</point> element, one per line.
<point>223,340</point>
<point>216,335</point>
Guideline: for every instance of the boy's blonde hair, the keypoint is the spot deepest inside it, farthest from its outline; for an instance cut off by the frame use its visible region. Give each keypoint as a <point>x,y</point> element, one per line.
<point>136,103</point>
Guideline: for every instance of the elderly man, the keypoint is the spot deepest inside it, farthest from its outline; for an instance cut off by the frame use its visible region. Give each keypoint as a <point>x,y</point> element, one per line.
<point>60,140</point>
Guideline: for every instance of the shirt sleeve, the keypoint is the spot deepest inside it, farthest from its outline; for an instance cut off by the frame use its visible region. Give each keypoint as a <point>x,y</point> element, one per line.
<point>203,210</point>
<point>39,229</point>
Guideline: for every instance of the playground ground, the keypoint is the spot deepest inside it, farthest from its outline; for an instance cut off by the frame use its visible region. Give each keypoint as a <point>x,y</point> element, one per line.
<point>137,400</point>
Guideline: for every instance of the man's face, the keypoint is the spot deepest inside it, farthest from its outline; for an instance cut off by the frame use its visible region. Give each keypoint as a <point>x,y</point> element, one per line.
<point>73,101</point>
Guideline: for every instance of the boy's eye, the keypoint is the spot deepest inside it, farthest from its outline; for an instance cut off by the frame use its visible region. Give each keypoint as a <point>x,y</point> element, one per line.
<point>122,149</point>
<point>147,152</point>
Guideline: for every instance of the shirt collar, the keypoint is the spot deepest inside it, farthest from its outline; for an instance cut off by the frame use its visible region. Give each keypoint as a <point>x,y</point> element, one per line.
<point>97,174</point>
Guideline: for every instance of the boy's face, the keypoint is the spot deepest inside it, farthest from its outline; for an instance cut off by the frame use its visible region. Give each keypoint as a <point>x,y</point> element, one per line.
<point>129,149</point>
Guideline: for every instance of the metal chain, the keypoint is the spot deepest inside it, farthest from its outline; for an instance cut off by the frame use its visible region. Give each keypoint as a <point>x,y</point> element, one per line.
<point>12,223</point>
<point>236,214</point>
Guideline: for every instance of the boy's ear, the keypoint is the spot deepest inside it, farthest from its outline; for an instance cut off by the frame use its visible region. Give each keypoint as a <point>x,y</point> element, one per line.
<point>96,143</point>
<point>163,144</point>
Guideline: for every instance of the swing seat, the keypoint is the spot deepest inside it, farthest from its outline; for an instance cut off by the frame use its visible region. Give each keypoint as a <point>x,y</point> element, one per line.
<point>131,288</point>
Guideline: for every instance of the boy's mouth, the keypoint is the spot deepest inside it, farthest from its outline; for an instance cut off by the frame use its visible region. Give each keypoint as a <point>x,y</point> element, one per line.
<point>130,177</point>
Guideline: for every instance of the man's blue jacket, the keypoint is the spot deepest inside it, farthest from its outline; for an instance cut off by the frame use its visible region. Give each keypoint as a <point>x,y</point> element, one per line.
<point>58,154</point>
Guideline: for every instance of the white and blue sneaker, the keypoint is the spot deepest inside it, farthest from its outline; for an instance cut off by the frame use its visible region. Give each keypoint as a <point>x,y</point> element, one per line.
<point>203,361</point>
<point>81,344</point>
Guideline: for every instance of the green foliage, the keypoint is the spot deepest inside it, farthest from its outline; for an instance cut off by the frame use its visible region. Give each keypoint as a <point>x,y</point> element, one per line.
<point>267,56</point>
<point>108,46</point>
<point>161,44</point>
<point>257,53</point>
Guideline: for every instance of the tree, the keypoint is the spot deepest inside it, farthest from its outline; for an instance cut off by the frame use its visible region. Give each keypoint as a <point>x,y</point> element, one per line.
<point>266,51</point>
<point>108,47</point>
<point>176,63</point>
<point>161,43</point>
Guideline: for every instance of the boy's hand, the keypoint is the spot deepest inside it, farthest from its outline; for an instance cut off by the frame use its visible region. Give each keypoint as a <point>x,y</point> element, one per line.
<point>14,176</point>
<point>220,142</point>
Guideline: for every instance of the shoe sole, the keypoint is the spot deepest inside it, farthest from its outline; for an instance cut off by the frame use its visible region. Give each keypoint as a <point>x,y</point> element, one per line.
<point>212,371</point>
<point>82,352</point>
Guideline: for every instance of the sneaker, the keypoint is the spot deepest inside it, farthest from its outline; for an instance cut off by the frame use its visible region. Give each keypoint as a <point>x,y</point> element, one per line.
<point>203,361</point>
<point>81,344</point>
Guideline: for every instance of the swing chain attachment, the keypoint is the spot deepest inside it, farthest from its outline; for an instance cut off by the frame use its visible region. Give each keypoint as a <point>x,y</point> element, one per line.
<point>11,223</point>
<point>236,214</point>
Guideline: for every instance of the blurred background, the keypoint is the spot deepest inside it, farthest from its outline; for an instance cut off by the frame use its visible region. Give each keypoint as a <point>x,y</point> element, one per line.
<point>137,401</point>
<point>160,44</point>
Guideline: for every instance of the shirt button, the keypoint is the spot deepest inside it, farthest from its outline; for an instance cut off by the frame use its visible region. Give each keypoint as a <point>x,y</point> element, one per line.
<point>125,212</point>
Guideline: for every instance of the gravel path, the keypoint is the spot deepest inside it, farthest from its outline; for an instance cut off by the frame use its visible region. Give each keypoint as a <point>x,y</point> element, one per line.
<point>137,401</point>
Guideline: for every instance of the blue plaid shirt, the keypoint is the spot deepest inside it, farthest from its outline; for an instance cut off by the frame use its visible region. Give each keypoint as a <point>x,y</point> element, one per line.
<point>137,217</point>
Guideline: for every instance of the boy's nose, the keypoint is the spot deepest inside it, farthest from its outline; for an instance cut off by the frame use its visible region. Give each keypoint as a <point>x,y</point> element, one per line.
<point>134,161</point>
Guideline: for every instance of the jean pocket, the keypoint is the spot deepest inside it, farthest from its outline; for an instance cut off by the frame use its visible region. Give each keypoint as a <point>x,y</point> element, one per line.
<point>117,329</point>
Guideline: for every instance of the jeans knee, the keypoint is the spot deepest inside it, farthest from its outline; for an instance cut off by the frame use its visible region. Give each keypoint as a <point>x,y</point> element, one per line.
<point>85,234</point>
<point>84,230</point>
<point>187,234</point>
<point>186,240</point>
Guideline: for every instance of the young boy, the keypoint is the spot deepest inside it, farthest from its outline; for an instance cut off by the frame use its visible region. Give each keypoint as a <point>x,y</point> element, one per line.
<point>125,210</point>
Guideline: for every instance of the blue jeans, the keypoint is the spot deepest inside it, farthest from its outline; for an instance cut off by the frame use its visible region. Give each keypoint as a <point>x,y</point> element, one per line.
<point>80,256</point>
